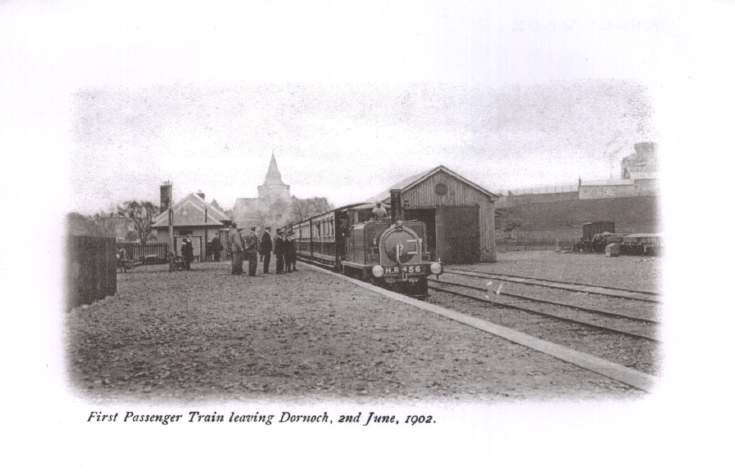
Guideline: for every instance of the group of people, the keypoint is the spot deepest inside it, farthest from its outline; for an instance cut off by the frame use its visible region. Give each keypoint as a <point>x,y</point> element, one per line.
<point>248,248</point>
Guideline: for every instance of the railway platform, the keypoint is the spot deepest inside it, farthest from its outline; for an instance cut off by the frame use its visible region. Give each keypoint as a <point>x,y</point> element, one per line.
<point>208,334</point>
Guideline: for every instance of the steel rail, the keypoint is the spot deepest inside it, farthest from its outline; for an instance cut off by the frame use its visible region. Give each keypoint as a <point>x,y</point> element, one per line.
<point>575,283</point>
<point>551,284</point>
<point>546,314</point>
<point>555,303</point>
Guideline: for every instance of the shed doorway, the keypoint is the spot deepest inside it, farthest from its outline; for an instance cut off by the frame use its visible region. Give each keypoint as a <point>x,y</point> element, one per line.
<point>458,234</point>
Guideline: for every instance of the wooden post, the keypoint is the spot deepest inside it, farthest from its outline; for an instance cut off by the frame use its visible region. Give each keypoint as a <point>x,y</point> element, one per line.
<point>206,236</point>
<point>171,249</point>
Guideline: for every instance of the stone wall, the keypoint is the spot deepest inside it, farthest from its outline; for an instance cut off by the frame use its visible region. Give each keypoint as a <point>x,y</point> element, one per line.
<point>548,222</point>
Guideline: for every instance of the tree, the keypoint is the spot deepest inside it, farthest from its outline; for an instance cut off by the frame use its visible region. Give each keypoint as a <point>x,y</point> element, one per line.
<point>142,214</point>
<point>80,225</point>
<point>303,208</point>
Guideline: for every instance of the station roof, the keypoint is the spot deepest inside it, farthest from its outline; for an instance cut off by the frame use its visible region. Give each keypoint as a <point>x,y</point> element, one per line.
<point>413,180</point>
<point>192,211</point>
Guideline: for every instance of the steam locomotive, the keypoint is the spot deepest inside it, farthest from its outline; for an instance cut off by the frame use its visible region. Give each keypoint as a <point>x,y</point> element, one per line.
<point>390,253</point>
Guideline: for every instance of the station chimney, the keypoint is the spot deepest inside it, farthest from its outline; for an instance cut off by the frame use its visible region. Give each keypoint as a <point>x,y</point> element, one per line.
<point>396,206</point>
<point>166,189</point>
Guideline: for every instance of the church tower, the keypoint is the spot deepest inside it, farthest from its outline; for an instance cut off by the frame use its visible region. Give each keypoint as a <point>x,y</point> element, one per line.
<point>273,187</point>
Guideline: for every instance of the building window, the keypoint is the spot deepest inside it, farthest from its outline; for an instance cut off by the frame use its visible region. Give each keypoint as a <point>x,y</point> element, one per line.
<point>441,189</point>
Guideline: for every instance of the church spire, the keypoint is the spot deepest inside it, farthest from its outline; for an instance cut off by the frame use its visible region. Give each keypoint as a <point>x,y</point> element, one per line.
<point>273,176</point>
<point>273,188</point>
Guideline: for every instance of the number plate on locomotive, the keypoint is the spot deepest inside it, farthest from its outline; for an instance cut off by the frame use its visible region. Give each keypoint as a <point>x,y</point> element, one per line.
<point>404,269</point>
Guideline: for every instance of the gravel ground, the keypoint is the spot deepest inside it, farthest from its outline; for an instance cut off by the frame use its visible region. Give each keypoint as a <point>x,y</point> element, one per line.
<point>206,334</point>
<point>632,272</point>
<point>626,350</point>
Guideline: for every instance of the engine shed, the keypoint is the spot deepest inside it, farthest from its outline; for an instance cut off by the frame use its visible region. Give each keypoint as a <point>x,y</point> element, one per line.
<point>459,214</point>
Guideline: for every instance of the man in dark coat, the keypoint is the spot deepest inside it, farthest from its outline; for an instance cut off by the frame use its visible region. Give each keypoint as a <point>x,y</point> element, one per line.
<point>290,246</point>
<point>293,251</point>
<point>187,251</point>
<point>266,246</point>
<point>286,252</point>
<point>251,251</point>
<point>216,248</point>
<point>279,250</point>
<point>236,249</point>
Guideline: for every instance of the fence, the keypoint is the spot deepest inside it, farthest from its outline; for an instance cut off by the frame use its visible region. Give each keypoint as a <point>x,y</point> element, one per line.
<point>137,251</point>
<point>91,269</point>
<point>534,244</point>
<point>558,188</point>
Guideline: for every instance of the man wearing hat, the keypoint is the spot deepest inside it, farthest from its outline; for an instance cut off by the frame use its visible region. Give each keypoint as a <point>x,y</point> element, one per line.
<point>290,247</point>
<point>236,247</point>
<point>251,251</point>
<point>279,248</point>
<point>187,251</point>
<point>293,251</point>
<point>266,246</point>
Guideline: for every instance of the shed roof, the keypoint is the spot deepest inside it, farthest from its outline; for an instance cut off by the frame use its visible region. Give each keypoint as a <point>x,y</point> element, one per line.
<point>413,180</point>
<point>192,210</point>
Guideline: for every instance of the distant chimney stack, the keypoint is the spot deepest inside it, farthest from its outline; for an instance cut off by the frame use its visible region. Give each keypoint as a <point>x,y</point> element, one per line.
<point>166,189</point>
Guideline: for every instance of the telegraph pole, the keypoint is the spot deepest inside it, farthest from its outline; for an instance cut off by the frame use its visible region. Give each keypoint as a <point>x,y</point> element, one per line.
<point>167,198</point>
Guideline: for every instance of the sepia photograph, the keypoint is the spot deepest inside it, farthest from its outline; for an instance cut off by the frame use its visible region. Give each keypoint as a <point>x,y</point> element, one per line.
<point>438,237</point>
<point>201,263</point>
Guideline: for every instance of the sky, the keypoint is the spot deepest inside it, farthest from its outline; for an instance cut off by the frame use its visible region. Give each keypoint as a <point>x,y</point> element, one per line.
<point>348,142</point>
<point>350,96</point>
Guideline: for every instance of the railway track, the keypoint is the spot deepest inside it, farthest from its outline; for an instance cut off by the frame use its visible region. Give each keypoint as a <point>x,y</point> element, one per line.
<point>576,283</point>
<point>601,312</point>
<point>648,331</point>
<point>614,292</point>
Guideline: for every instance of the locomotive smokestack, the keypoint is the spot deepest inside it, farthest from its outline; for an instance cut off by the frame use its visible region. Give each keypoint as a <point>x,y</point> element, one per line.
<point>396,206</point>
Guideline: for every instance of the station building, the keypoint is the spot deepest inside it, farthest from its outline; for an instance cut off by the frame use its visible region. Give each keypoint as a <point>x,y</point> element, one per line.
<point>459,214</point>
<point>194,218</point>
